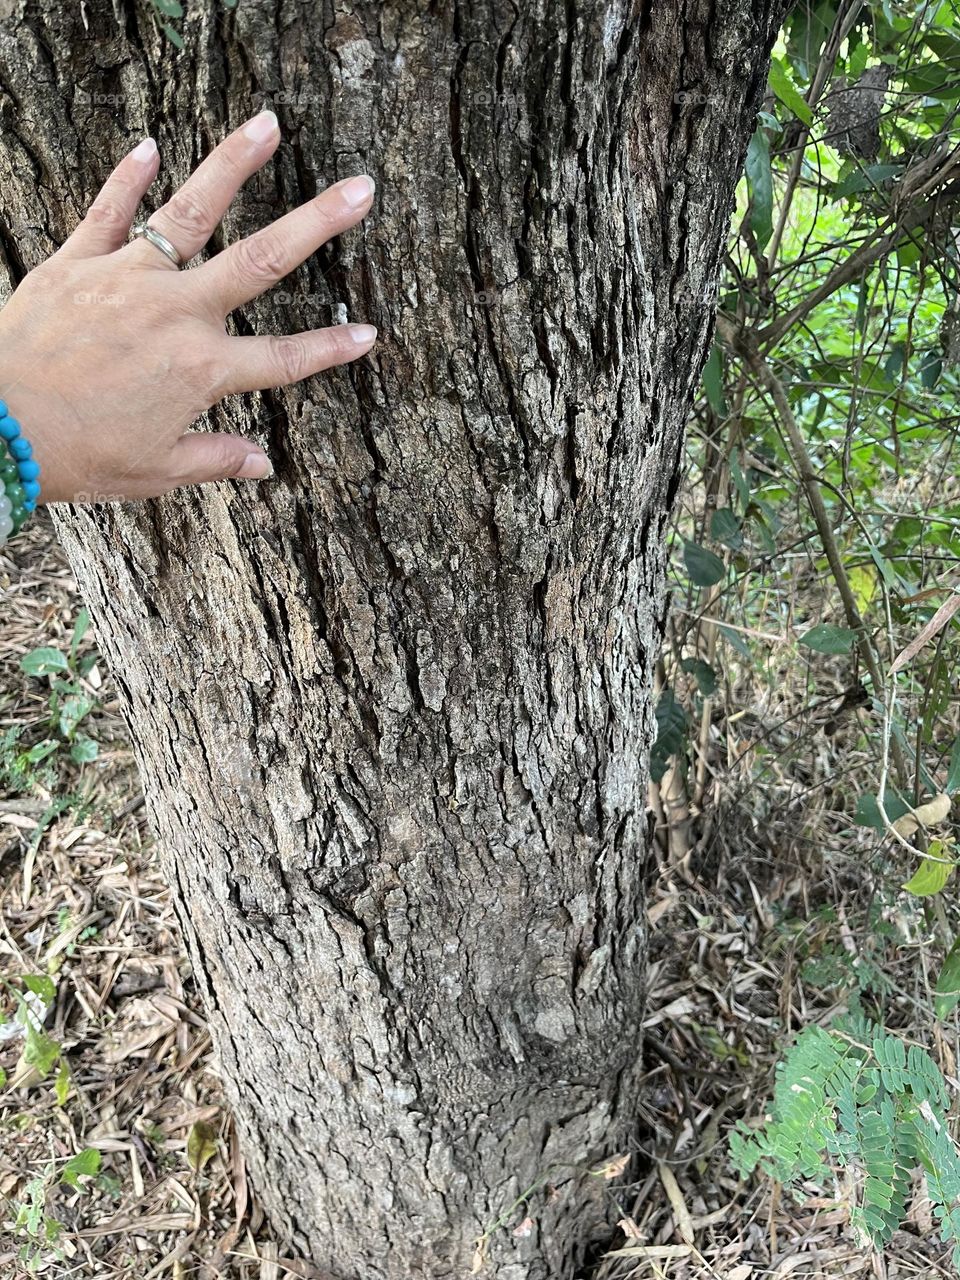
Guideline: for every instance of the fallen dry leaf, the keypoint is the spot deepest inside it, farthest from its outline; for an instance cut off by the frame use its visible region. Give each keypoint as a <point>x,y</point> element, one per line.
<point>936,624</point>
<point>681,1213</point>
<point>611,1168</point>
<point>929,814</point>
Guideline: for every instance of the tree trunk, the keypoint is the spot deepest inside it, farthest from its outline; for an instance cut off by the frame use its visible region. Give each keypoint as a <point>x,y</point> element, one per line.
<point>392,709</point>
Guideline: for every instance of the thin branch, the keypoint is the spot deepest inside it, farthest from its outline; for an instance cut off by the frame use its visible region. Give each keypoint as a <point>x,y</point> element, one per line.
<point>841,29</point>
<point>868,253</point>
<point>744,343</point>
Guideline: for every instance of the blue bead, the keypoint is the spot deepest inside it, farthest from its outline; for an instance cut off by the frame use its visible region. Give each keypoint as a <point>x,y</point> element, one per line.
<point>3,409</point>
<point>28,470</point>
<point>30,504</point>
<point>9,428</point>
<point>20,448</point>
<point>31,488</point>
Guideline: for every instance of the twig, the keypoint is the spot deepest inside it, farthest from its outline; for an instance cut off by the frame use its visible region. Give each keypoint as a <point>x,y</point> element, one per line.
<point>868,253</point>
<point>841,29</point>
<point>745,343</point>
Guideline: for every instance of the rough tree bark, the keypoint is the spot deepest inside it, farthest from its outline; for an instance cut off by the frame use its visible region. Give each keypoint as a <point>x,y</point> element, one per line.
<point>392,709</point>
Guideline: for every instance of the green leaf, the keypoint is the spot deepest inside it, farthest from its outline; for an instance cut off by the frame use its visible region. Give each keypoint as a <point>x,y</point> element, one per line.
<point>173,36</point>
<point>931,368</point>
<point>947,990</point>
<point>83,1165</point>
<point>32,1206</point>
<point>824,638</point>
<point>703,673</point>
<point>80,628</point>
<point>83,749</point>
<point>169,8</point>
<point>61,1086</point>
<point>857,61</point>
<point>75,706</point>
<point>704,567</point>
<point>863,299</point>
<point>909,252</point>
<point>894,364</point>
<point>41,986</point>
<point>760,187</point>
<point>784,88</point>
<point>725,528</point>
<point>740,481</point>
<point>86,664</point>
<point>41,750</point>
<point>809,25</point>
<point>671,722</point>
<point>40,1051</point>
<point>867,179</point>
<point>713,381</point>
<point>43,662</point>
<point>671,732</point>
<point>735,639</point>
<point>953,772</point>
<point>932,874</point>
<point>868,810</point>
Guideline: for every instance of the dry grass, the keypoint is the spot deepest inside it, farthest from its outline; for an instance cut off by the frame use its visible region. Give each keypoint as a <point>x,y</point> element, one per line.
<point>82,896</point>
<point>732,923</point>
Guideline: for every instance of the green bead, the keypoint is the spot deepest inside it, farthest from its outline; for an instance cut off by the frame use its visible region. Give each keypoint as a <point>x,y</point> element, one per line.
<point>13,491</point>
<point>8,470</point>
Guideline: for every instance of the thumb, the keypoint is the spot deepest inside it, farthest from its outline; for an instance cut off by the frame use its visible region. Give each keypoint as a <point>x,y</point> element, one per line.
<point>203,456</point>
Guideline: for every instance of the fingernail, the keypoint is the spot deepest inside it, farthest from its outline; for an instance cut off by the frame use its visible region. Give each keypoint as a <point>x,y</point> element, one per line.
<point>256,466</point>
<point>363,334</point>
<point>145,151</point>
<point>262,127</point>
<point>357,191</point>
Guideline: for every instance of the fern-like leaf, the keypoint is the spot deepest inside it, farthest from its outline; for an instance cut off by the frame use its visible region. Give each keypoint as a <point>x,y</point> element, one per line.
<point>857,1094</point>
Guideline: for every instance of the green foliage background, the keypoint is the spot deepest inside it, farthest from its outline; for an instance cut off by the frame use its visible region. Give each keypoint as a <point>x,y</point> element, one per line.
<point>812,647</point>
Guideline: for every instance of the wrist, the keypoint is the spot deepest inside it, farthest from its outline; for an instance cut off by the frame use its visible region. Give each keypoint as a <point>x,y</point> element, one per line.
<point>32,407</point>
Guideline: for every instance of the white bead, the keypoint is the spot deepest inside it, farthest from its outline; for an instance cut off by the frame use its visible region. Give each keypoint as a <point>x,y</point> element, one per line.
<point>6,506</point>
<point>6,527</point>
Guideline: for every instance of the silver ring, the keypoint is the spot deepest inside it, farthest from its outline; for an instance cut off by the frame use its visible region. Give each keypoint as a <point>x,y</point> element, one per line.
<point>155,238</point>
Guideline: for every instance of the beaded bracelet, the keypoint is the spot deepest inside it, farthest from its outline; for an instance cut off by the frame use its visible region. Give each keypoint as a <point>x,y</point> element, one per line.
<point>13,512</point>
<point>19,475</point>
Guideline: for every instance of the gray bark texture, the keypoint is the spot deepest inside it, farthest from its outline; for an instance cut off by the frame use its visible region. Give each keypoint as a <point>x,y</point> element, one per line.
<point>392,708</point>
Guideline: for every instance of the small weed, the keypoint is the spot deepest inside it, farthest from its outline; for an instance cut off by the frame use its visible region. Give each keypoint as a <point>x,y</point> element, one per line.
<point>41,756</point>
<point>41,1053</point>
<point>39,1231</point>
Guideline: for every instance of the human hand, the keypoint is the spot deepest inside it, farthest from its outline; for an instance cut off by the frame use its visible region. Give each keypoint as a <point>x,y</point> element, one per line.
<point>105,393</point>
